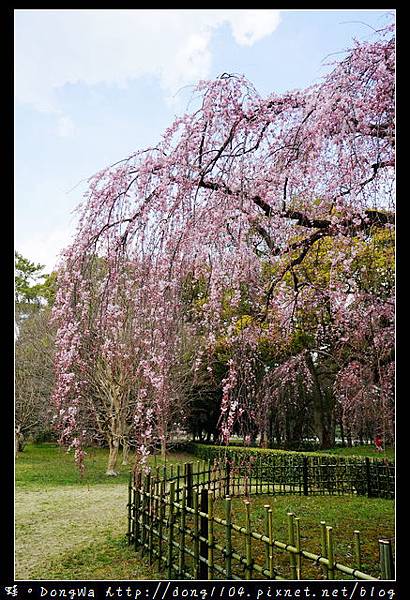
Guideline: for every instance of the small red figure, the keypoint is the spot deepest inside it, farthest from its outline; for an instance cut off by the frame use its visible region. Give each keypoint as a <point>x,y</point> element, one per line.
<point>378,443</point>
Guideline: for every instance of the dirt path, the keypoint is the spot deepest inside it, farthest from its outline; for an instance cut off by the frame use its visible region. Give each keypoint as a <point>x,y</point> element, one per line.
<point>51,522</point>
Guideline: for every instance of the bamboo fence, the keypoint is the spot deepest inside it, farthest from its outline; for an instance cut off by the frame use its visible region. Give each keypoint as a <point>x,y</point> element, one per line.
<point>308,474</point>
<point>172,520</point>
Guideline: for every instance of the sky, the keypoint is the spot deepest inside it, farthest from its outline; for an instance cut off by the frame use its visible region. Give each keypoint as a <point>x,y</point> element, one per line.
<point>93,86</point>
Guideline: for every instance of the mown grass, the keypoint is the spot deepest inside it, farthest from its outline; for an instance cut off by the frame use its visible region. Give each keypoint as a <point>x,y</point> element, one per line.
<point>374,518</point>
<point>46,465</point>
<point>69,528</point>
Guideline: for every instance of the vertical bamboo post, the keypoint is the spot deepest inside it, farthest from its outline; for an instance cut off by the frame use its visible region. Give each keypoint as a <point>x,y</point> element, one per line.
<point>268,474</point>
<point>189,482</point>
<point>228,478</point>
<point>259,476</point>
<point>161,522</point>
<point>182,523</point>
<point>378,487</point>
<point>291,540</point>
<point>267,547</point>
<point>210,535</point>
<point>323,545</point>
<point>196,534</point>
<point>357,549</point>
<point>270,531</point>
<point>151,518</point>
<point>136,508</point>
<point>129,506</point>
<point>248,541</point>
<point>368,478</point>
<point>305,476</point>
<point>330,553</point>
<point>228,538</point>
<point>144,511</point>
<point>178,482</point>
<point>297,544</point>
<point>170,527</point>
<point>203,546</point>
<point>386,559</point>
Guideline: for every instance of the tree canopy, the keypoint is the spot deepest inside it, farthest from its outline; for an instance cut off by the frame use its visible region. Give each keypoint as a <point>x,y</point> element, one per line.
<point>269,211</point>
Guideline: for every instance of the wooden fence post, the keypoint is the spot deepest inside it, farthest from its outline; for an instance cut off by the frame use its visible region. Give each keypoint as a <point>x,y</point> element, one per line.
<point>136,509</point>
<point>270,521</point>
<point>368,478</point>
<point>228,544</point>
<point>299,555</point>
<point>198,471</point>
<point>181,561</point>
<point>323,545</point>
<point>248,541</point>
<point>203,546</point>
<point>291,539</point>
<point>330,554</point>
<point>161,522</point>
<point>171,527</point>
<point>305,476</point>
<point>177,496</point>
<point>130,507</point>
<point>151,517</point>
<point>189,482</point>
<point>145,510</point>
<point>228,478</point>
<point>386,559</point>
<point>196,534</point>
<point>210,535</point>
<point>267,545</point>
<point>357,549</point>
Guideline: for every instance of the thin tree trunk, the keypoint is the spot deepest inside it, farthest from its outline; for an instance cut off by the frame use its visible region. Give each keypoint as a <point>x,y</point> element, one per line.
<point>125,452</point>
<point>112,457</point>
<point>18,441</point>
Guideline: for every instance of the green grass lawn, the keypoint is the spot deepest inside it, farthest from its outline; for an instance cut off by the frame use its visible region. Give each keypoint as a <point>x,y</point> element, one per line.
<point>69,528</point>
<point>374,518</point>
<point>363,451</point>
<point>46,465</point>
<point>72,527</point>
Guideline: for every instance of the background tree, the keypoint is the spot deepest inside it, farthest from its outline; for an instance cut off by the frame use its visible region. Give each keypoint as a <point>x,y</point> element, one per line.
<point>34,350</point>
<point>34,377</point>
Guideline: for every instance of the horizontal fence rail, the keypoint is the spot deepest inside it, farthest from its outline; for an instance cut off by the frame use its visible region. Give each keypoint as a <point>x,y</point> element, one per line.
<point>182,518</point>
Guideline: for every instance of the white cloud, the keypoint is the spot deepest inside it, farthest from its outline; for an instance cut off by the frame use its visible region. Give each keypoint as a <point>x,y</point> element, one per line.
<point>254,25</point>
<point>56,47</point>
<point>45,247</point>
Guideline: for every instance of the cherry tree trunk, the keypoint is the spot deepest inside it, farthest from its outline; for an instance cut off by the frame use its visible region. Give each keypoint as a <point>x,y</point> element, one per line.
<point>125,453</point>
<point>323,406</point>
<point>112,457</point>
